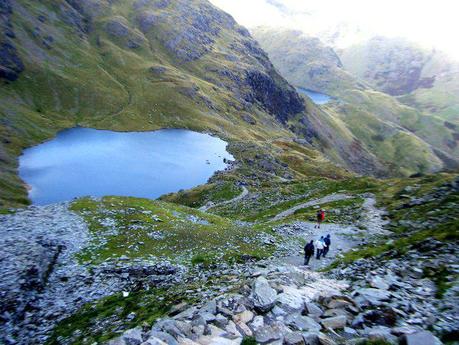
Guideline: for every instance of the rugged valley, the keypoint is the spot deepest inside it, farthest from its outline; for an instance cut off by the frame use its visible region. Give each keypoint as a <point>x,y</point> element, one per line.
<point>222,263</point>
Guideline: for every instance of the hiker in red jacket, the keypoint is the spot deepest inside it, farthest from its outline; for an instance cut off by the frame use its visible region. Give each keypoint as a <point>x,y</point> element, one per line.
<point>320,218</point>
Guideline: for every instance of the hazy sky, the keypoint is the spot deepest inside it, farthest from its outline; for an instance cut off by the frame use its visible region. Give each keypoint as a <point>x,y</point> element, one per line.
<point>431,23</point>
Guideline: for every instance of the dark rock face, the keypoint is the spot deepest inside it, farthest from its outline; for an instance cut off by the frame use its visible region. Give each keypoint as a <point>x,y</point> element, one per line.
<point>402,81</point>
<point>116,28</point>
<point>146,20</point>
<point>283,103</point>
<point>75,19</point>
<point>11,64</point>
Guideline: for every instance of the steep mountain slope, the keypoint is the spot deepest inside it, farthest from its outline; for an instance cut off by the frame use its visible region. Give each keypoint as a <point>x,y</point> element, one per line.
<point>427,80</point>
<point>130,65</point>
<point>403,139</point>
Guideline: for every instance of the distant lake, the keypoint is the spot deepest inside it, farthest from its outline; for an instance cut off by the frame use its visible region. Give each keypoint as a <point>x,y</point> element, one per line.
<point>83,161</point>
<point>317,98</point>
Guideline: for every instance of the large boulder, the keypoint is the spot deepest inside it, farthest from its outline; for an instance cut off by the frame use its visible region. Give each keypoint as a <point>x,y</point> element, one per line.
<point>263,296</point>
<point>290,299</point>
<point>371,296</point>
<point>302,323</point>
<point>294,338</point>
<point>336,322</point>
<point>130,337</point>
<point>271,333</point>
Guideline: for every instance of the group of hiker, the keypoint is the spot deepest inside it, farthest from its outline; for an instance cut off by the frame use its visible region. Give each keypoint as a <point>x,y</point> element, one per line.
<point>322,245</point>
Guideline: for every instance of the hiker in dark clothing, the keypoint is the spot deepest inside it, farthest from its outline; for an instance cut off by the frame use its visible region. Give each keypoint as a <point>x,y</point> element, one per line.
<point>308,252</point>
<point>327,245</point>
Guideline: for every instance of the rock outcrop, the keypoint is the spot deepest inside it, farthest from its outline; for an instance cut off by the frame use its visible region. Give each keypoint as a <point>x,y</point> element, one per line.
<point>45,282</point>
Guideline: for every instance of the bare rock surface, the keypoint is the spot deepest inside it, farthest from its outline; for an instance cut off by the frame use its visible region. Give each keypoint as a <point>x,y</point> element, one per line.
<point>44,281</point>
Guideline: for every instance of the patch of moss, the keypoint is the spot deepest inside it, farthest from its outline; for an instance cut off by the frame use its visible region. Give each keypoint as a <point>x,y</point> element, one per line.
<point>199,196</point>
<point>440,277</point>
<point>249,341</point>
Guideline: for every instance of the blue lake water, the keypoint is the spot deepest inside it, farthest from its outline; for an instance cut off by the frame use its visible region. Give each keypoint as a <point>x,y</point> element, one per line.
<point>317,98</point>
<point>83,161</point>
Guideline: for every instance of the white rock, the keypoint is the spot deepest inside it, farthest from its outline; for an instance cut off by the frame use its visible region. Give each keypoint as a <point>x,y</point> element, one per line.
<point>379,283</point>
<point>263,295</point>
<point>245,317</point>
<point>257,322</point>
<point>290,299</point>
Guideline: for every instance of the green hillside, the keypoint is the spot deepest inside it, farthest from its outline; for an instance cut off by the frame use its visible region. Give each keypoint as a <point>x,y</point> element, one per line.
<point>402,139</point>
<point>425,79</point>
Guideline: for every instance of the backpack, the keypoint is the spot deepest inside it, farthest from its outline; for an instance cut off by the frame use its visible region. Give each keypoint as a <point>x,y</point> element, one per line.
<point>322,215</point>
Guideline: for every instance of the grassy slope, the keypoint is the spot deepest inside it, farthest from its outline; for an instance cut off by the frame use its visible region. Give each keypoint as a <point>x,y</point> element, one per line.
<point>147,229</point>
<point>305,61</point>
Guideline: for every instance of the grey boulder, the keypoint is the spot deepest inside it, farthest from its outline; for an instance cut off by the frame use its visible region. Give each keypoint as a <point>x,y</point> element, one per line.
<point>420,338</point>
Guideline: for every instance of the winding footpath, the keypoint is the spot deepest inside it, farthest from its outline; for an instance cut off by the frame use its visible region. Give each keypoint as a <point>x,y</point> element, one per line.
<point>325,199</point>
<point>210,204</point>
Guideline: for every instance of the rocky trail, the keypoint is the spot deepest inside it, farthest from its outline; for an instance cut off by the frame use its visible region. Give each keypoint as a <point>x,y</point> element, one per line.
<point>344,237</point>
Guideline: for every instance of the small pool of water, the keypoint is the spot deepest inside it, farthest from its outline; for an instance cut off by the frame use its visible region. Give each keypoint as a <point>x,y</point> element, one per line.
<point>317,98</point>
<point>83,161</point>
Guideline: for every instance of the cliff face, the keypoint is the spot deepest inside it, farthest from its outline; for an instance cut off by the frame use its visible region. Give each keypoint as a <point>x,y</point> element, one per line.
<point>11,64</point>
